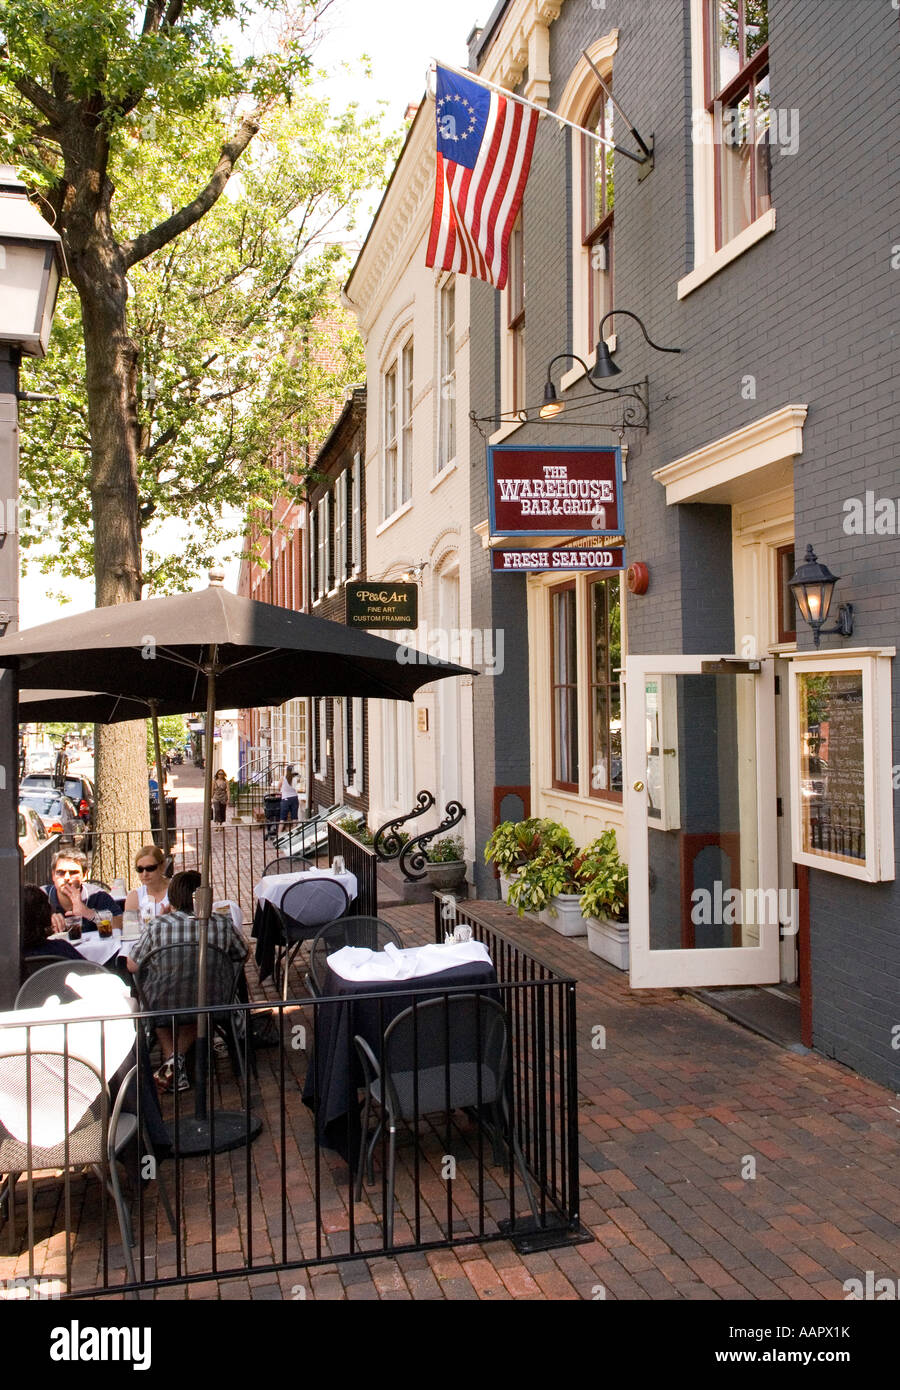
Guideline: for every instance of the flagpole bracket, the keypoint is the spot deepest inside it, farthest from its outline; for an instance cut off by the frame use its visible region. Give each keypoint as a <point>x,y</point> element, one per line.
<point>648,163</point>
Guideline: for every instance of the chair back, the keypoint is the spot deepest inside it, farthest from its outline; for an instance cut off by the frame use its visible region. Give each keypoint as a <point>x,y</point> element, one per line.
<point>167,980</point>
<point>32,964</point>
<point>51,980</point>
<point>45,1096</point>
<point>346,931</point>
<point>312,902</point>
<point>448,1052</point>
<point>287,864</point>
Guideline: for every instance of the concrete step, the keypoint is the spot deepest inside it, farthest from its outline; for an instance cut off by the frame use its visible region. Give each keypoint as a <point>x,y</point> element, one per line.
<point>394,890</point>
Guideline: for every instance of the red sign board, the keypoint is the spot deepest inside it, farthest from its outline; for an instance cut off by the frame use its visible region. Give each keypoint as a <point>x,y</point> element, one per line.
<point>596,559</point>
<point>566,491</point>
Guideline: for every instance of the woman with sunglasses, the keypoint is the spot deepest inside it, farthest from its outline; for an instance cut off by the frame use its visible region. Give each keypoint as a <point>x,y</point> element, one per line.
<point>150,897</point>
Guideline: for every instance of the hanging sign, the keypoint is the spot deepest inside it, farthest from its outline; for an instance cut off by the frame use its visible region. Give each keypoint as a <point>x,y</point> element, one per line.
<point>382,603</point>
<point>565,490</point>
<point>596,559</point>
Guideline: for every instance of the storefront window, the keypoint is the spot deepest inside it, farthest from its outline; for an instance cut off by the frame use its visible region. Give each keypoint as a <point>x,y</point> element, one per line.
<point>605,651</point>
<point>564,687</point>
<point>832,765</point>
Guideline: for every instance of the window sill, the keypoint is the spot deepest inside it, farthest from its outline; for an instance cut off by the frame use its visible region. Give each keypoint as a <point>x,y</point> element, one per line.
<point>352,791</point>
<point>395,516</point>
<point>443,473</point>
<point>736,247</point>
<point>505,431</point>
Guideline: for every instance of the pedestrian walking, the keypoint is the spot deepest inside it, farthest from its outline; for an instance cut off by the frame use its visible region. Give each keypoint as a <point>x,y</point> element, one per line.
<point>219,798</point>
<point>290,799</point>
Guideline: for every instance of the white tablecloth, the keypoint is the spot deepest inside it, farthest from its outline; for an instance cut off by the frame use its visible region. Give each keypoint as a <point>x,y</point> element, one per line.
<point>272,888</point>
<point>360,963</point>
<point>105,1045</point>
<point>101,949</point>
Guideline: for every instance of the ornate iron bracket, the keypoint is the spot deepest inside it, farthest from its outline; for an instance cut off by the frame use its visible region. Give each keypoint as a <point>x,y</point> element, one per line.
<point>387,842</point>
<point>412,856</point>
<point>630,406</point>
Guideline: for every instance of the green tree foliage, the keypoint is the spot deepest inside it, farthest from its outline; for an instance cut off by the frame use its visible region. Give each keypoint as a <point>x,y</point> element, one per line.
<point>173,733</point>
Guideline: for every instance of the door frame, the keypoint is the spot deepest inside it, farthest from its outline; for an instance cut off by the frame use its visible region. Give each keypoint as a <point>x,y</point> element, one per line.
<point>674,969</point>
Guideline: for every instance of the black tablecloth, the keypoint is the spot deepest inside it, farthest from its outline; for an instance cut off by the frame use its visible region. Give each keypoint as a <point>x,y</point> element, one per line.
<point>335,1074</point>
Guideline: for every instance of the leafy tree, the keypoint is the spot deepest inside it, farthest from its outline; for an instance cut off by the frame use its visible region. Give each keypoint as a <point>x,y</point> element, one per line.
<point>173,732</point>
<point>129,120</point>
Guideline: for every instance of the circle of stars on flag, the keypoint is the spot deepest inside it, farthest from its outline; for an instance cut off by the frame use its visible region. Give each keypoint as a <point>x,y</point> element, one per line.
<point>467,105</point>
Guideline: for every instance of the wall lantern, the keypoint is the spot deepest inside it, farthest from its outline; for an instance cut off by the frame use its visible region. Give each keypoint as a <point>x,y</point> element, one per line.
<point>813,586</point>
<point>31,265</point>
<point>603,366</point>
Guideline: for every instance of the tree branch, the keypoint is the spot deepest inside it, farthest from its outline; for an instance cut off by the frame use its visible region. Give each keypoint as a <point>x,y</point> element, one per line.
<point>39,98</point>
<point>148,242</point>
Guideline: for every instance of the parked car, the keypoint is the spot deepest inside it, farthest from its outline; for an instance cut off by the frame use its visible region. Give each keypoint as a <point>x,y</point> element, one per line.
<point>77,788</point>
<point>58,813</point>
<point>32,831</point>
<point>41,759</point>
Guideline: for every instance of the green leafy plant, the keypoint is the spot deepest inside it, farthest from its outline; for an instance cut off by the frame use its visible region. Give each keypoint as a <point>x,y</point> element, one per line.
<point>516,843</point>
<point>352,827</point>
<point>448,850</point>
<point>541,880</point>
<point>603,879</point>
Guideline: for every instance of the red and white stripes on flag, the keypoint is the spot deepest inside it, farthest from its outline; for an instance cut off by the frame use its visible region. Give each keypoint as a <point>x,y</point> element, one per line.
<point>484,147</point>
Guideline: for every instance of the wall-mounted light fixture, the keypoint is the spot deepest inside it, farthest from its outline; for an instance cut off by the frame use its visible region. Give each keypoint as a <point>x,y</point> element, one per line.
<point>813,587</point>
<point>603,366</point>
<point>414,572</point>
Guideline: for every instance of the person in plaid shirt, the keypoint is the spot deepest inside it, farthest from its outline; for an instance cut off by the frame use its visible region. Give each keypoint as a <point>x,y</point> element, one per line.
<point>178,986</point>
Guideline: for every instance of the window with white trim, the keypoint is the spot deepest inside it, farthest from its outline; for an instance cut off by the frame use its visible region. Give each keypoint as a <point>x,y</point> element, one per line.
<point>340,529</point>
<point>318,737</point>
<point>515,319</point>
<point>321,547</point>
<point>447,375</point>
<point>354,771</point>
<point>597,196</point>
<point>398,411</point>
<point>354,482</point>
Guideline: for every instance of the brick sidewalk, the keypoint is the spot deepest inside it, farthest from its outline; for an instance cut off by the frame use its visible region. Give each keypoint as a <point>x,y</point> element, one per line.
<point>675,1113</point>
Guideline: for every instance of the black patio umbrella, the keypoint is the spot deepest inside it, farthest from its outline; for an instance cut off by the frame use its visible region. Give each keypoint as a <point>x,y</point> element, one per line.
<point>212,644</point>
<point>96,707</point>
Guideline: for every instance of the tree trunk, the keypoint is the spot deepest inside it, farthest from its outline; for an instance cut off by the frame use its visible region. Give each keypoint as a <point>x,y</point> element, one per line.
<point>98,272</point>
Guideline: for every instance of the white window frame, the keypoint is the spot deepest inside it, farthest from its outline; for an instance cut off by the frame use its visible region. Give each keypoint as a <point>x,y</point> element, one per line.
<point>354,482</point>
<point>407,404</point>
<point>353,746</point>
<point>446,375</point>
<point>321,549</point>
<point>320,717</point>
<point>707,260</point>
<point>391,438</point>
<point>508,336</point>
<point>875,666</point>
<point>340,530</point>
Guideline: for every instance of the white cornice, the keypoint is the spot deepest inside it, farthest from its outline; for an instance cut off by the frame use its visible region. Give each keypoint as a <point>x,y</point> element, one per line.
<point>773,439</point>
<point>520,43</point>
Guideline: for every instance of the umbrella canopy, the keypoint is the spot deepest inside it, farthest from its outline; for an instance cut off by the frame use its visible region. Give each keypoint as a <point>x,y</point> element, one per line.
<point>82,707</point>
<point>265,655</point>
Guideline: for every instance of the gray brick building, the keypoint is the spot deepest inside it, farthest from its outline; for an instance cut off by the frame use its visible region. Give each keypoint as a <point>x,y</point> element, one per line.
<point>767,250</point>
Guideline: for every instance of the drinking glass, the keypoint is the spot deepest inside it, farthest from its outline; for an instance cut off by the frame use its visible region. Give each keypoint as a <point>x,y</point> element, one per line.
<point>463,933</point>
<point>104,923</point>
<point>337,864</point>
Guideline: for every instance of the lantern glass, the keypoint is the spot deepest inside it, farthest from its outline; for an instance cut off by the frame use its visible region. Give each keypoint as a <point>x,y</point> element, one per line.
<point>23,267</point>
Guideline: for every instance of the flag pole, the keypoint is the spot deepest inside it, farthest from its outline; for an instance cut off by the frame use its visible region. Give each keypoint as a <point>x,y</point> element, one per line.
<point>542,111</point>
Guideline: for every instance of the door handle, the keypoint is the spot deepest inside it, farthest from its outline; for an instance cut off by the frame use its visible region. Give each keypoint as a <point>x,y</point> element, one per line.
<point>638,786</point>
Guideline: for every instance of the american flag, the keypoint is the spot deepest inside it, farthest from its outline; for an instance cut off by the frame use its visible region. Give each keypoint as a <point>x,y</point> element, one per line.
<point>484,146</point>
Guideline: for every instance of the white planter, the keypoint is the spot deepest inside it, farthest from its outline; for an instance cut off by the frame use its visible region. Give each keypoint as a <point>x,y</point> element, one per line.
<point>567,920</point>
<point>608,940</point>
<point>504,886</point>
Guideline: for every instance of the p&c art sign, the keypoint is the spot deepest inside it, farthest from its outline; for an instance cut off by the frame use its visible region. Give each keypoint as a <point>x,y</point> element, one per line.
<point>381,603</point>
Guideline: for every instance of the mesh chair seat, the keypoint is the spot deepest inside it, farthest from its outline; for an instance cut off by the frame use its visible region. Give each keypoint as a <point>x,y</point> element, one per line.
<point>425,1092</point>
<point>305,907</point>
<point>85,1145</point>
<point>372,932</point>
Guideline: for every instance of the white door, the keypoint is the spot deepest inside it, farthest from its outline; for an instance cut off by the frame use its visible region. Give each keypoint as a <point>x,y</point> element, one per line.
<point>701,810</point>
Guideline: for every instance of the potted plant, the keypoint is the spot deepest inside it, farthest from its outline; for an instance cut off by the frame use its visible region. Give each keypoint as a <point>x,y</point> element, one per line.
<point>516,843</point>
<point>604,899</point>
<point>547,884</point>
<point>445,868</point>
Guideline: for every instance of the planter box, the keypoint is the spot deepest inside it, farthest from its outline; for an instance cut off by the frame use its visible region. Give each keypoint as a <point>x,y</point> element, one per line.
<point>568,920</point>
<point>608,940</point>
<point>447,878</point>
<point>504,888</point>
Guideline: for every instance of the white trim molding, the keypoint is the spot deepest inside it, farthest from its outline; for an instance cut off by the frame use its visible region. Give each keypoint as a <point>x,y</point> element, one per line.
<point>736,247</point>
<point>713,472</point>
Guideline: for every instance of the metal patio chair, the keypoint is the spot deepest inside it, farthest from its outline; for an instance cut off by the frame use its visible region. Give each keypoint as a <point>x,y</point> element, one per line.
<point>43,984</point>
<point>287,864</point>
<point>446,1054</point>
<point>57,1085</point>
<point>304,908</point>
<point>373,932</point>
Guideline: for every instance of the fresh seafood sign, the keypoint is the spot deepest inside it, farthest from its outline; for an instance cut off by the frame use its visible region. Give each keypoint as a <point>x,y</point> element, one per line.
<point>562,491</point>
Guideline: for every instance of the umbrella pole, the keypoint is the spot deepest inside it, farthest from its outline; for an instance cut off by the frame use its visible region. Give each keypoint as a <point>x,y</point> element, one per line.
<point>160,777</point>
<point>227,1129</point>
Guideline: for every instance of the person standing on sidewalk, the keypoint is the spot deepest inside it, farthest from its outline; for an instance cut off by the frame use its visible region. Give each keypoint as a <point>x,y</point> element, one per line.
<point>290,800</point>
<point>219,798</point>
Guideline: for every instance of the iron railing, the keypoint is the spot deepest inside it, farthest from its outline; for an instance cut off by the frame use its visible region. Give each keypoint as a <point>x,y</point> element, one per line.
<point>286,1202</point>
<point>36,868</point>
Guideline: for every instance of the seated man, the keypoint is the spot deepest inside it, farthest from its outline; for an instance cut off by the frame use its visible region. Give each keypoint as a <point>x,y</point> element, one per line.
<point>70,896</point>
<point>176,928</point>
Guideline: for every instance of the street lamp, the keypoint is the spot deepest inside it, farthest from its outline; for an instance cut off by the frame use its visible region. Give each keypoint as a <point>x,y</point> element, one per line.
<point>31,265</point>
<point>813,588</point>
<point>603,366</point>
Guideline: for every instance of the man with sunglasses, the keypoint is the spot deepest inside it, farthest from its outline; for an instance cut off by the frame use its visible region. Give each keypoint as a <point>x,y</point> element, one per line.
<point>69,894</point>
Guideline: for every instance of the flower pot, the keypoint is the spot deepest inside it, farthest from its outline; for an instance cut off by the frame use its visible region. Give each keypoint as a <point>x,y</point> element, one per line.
<point>564,915</point>
<point>447,878</point>
<point>608,940</point>
<point>506,880</point>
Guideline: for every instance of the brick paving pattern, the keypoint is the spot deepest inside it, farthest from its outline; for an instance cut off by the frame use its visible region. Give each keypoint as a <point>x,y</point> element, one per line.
<point>675,1113</point>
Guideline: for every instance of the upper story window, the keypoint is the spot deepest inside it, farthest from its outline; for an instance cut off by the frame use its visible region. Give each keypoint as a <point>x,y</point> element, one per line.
<point>398,409</point>
<point>597,196</point>
<point>737,99</point>
<point>564,686</point>
<point>515,317</point>
<point>447,375</point>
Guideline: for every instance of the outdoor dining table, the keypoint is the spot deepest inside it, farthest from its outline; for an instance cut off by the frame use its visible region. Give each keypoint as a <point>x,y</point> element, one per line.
<point>271,890</point>
<point>334,1075</point>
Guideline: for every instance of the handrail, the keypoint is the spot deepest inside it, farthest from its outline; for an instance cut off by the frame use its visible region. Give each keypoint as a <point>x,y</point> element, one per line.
<point>413,858</point>
<point>388,845</point>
